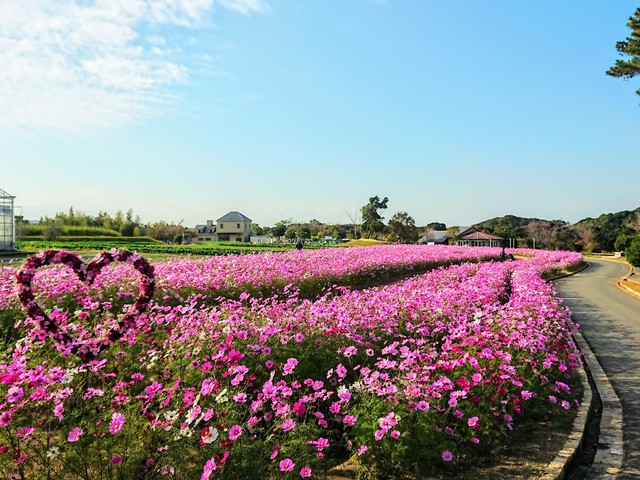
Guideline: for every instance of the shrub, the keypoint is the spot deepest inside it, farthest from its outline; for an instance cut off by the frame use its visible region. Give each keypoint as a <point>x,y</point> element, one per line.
<point>633,251</point>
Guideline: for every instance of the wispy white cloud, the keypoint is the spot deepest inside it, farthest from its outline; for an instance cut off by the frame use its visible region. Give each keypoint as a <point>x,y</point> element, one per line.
<point>78,64</point>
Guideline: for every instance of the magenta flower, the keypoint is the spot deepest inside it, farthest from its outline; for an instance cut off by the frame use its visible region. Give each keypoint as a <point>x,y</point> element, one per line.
<point>235,432</point>
<point>208,469</point>
<point>287,465</point>
<point>5,419</point>
<point>116,459</point>
<point>305,472</point>
<point>447,456</point>
<point>75,434</point>
<point>117,422</point>
<point>349,420</point>
<point>322,443</point>
<point>289,366</point>
<point>473,421</point>
<point>14,394</point>
<point>288,424</point>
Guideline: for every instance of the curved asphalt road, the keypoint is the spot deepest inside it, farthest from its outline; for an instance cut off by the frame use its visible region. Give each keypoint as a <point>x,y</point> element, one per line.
<point>610,322</point>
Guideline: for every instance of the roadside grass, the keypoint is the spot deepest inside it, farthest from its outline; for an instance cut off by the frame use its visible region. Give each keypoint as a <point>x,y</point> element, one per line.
<point>363,242</point>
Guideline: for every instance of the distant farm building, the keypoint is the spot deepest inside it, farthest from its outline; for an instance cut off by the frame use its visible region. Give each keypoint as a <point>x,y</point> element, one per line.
<point>232,227</point>
<point>7,222</point>
<point>435,237</point>
<point>466,236</point>
<point>476,238</point>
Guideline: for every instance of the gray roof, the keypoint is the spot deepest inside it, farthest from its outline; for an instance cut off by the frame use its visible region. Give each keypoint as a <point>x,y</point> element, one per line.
<point>5,194</point>
<point>234,217</point>
<point>434,236</point>
<point>206,229</point>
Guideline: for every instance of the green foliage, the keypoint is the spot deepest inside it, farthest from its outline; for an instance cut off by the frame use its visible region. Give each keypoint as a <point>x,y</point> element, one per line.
<point>630,47</point>
<point>607,227</point>
<point>436,226</point>
<point>371,219</point>
<point>633,251</point>
<point>46,230</point>
<point>622,242</point>
<point>508,226</point>
<point>402,227</point>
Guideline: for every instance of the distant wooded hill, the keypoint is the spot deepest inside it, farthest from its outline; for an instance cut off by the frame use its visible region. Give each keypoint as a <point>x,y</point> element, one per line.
<point>608,232</point>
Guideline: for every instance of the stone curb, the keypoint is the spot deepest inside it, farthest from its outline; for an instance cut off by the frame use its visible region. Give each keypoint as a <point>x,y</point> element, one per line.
<point>607,463</point>
<point>562,465</point>
<point>620,283</point>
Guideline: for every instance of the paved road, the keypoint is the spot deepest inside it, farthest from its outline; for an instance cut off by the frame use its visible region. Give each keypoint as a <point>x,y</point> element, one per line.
<point>610,321</point>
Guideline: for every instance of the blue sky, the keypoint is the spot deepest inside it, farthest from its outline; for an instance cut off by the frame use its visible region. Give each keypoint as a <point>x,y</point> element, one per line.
<point>183,110</point>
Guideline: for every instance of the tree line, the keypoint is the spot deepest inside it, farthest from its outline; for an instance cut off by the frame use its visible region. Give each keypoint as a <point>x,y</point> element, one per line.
<point>76,223</point>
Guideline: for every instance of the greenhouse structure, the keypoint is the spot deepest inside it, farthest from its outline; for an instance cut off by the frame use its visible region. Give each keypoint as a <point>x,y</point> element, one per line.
<point>7,222</point>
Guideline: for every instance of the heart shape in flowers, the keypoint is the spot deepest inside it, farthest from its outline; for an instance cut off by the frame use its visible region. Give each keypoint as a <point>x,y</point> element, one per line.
<point>87,273</point>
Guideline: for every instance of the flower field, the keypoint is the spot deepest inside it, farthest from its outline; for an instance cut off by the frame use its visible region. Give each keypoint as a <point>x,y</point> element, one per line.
<point>419,375</point>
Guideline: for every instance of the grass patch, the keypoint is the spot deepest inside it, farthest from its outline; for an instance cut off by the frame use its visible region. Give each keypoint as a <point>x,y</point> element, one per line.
<point>364,242</point>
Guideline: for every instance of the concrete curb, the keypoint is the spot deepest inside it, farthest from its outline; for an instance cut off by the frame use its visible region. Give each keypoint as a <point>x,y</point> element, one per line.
<point>562,465</point>
<point>620,283</point>
<point>607,463</point>
<point>627,289</point>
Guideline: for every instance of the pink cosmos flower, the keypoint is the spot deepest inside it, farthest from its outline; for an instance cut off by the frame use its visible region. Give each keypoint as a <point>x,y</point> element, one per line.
<point>291,364</point>
<point>58,411</point>
<point>388,421</point>
<point>447,456</point>
<point>299,408</point>
<point>422,406</point>
<point>349,420</point>
<point>322,443</point>
<point>5,419</point>
<point>473,421</point>
<point>75,434</point>
<point>240,397</point>
<point>208,469</point>
<point>117,422</point>
<point>287,465</point>
<point>305,472</point>
<point>235,432</point>
<point>288,424</point>
<point>395,434</point>
<point>207,387</point>
<point>116,459</point>
<point>25,432</point>
<point>527,395</point>
<point>14,394</point>
<point>362,449</point>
